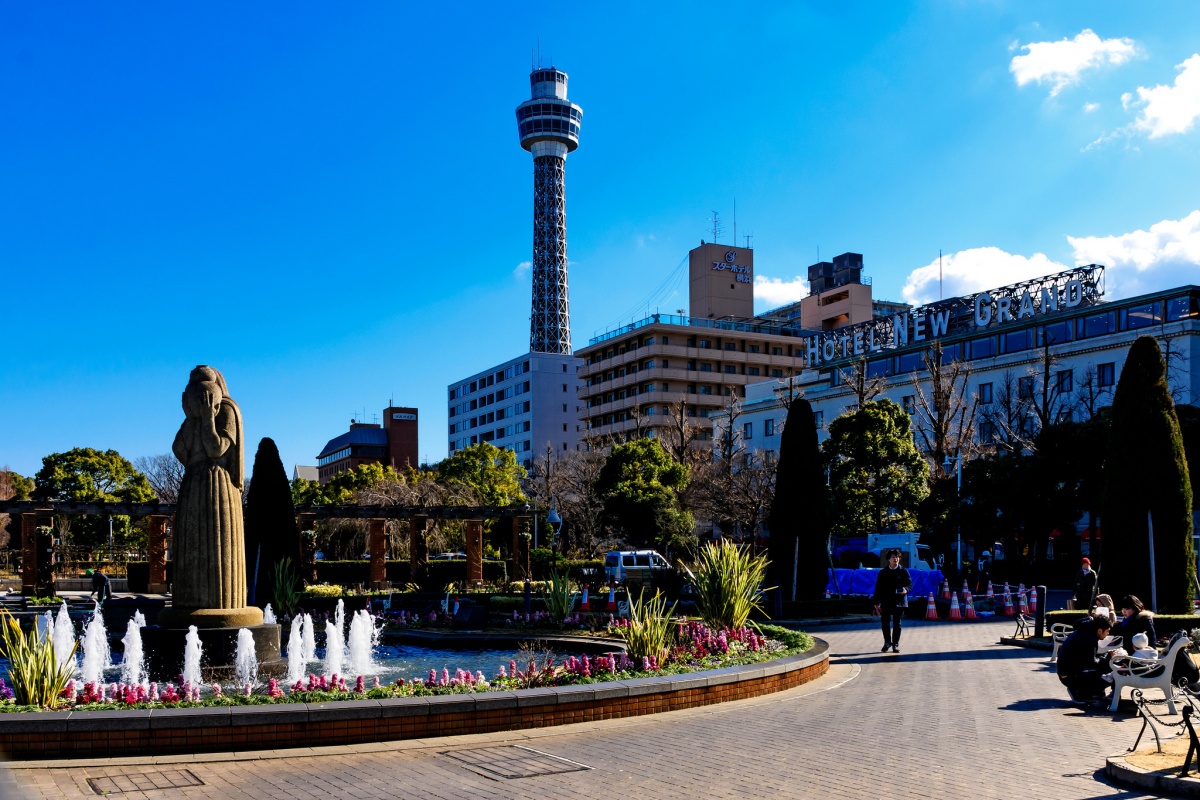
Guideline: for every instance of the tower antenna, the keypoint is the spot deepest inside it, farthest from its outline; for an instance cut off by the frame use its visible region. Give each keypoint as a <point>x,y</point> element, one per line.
<point>748,236</point>
<point>717,230</point>
<point>939,273</point>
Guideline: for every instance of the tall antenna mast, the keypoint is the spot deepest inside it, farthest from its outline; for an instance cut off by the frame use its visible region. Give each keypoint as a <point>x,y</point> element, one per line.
<point>748,236</point>
<point>717,230</point>
<point>939,273</point>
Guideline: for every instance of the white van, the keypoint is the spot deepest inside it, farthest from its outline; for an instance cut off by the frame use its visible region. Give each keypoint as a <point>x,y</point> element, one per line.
<point>621,565</point>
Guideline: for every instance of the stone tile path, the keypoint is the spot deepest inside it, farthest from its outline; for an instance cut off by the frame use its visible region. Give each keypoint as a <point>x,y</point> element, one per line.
<point>953,716</point>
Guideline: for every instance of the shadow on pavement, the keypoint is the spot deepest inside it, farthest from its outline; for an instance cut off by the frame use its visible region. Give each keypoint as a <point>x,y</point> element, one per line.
<point>906,656</point>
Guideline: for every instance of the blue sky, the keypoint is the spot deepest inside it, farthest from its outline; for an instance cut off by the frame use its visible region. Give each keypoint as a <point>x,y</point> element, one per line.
<point>331,206</point>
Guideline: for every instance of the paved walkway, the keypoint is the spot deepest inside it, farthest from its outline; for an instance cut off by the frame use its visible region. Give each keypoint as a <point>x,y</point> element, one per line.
<point>953,716</point>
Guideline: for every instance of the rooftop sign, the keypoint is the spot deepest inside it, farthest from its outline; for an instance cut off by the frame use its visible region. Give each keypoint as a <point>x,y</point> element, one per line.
<point>1048,295</point>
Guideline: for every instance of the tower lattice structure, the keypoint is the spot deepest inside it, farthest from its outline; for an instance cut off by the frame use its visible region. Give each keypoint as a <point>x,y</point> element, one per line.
<point>548,124</point>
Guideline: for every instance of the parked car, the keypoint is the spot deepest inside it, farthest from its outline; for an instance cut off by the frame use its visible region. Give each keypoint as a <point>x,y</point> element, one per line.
<point>622,565</point>
<point>449,557</point>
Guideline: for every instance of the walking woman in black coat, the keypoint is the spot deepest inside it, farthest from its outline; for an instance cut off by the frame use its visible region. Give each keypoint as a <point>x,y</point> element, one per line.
<point>891,595</point>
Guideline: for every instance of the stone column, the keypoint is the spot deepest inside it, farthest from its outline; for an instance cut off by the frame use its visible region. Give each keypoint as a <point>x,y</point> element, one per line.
<point>156,553</point>
<point>308,561</point>
<point>520,547</point>
<point>31,554</point>
<point>377,542</point>
<point>418,549</point>
<point>475,550</point>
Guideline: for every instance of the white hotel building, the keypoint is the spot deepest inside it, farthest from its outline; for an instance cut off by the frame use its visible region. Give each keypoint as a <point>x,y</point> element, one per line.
<point>1002,335</point>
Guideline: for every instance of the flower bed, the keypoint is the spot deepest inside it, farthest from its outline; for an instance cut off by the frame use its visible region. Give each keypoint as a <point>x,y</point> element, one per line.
<point>695,648</point>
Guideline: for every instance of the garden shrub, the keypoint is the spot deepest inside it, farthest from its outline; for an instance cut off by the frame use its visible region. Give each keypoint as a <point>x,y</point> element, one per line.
<point>728,581</point>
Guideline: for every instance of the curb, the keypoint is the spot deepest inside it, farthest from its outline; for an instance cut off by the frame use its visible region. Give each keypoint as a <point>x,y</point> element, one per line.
<point>1126,774</point>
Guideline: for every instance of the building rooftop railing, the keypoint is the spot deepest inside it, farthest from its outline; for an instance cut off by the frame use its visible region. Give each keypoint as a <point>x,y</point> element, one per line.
<point>700,322</point>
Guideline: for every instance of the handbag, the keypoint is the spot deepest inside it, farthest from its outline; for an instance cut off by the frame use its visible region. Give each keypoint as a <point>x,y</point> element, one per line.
<point>901,599</point>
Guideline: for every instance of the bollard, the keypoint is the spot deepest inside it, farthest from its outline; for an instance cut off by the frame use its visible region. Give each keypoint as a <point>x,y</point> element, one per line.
<point>1039,619</point>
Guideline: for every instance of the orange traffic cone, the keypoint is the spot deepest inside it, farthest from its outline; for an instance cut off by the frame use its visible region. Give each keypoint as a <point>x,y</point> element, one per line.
<point>954,610</point>
<point>930,608</point>
<point>969,607</point>
<point>1008,606</point>
<point>990,595</point>
<point>965,587</point>
<point>1006,589</point>
<point>1022,606</point>
<point>1033,600</point>
<point>946,589</point>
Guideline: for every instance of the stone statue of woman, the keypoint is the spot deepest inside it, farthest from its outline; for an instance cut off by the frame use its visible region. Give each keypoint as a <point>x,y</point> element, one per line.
<point>209,587</point>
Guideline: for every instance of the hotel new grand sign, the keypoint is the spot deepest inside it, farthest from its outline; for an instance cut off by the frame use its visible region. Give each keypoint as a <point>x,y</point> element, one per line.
<point>1052,294</point>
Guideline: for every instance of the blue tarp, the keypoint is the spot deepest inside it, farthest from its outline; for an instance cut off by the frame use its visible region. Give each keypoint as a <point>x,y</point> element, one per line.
<point>862,582</point>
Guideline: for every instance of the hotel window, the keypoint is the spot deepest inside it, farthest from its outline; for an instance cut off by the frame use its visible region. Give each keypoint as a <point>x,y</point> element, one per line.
<point>776,351</point>
<point>776,373</point>
<point>1182,308</point>
<point>748,431</point>
<point>1025,388</point>
<point>691,365</point>
<point>819,419</point>
<point>649,341</point>
<point>879,367</point>
<point>730,346</point>
<point>985,394</point>
<point>1017,341</point>
<point>730,369</point>
<point>1142,316</point>
<point>909,402</point>
<point>665,387</point>
<point>1064,415</point>
<point>987,432</point>
<point>1057,333</point>
<point>705,366</point>
<point>983,348</point>
<point>705,344</point>
<point>1106,374</point>
<point>664,340</point>
<point>752,371</point>
<point>691,388</point>
<point>752,348</point>
<point>1097,324</point>
<point>1066,381</point>
<point>649,364</point>
<point>768,427</point>
<point>705,390</point>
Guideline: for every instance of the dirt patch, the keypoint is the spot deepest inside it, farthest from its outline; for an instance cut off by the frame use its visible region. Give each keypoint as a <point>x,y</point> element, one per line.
<point>1170,760</point>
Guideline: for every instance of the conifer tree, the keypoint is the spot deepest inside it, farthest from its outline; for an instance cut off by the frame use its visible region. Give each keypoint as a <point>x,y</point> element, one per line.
<point>271,532</point>
<point>1146,473</point>
<point>798,509</point>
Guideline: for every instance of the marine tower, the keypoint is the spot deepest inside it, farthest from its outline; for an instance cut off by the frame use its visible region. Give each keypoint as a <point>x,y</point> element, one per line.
<point>548,124</point>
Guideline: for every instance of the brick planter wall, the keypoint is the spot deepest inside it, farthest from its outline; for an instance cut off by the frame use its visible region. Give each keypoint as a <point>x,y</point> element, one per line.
<point>66,734</point>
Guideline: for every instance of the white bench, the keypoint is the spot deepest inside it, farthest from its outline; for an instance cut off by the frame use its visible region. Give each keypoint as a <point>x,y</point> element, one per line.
<point>1059,632</point>
<point>1144,673</point>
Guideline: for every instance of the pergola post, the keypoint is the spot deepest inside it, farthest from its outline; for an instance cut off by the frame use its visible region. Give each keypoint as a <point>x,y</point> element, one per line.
<point>520,548</point>
<point>37,551</point>
<point>377,543</point>
<point>308,549</point>
<point>418,549</point>
<point>475,550</point>
<point>156,553</point>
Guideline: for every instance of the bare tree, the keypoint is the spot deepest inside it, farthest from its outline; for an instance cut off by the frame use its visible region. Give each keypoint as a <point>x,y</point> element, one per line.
<point>680,433</point>
<point>1052,395</point>
<point>165,474</point>
<point>865,388</point>
<point>945,414</point>
<point>788,394</point>
<point>1177,367</point>
<point>569,480</point>
<point>1005,423</point>
<point>1090,396</point>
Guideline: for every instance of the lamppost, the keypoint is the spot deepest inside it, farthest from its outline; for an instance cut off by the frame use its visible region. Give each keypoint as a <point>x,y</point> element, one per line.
<point>957,459</point>
<point>554,523</point>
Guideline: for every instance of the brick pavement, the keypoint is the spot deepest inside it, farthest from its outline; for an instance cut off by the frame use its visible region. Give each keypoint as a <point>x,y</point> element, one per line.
<point>953,716</point>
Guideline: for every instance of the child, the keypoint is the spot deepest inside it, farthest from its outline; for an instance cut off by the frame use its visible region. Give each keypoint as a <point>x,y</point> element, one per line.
<point>1143,649</point>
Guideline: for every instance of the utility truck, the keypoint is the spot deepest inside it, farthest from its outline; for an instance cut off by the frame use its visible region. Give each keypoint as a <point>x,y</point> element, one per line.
<point>912,555</point>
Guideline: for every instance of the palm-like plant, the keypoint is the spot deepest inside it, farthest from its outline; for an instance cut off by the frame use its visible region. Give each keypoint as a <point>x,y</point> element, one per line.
<point>729,584</point>
<point>38,676</point>
<point>287,588</point>
<point>649,631</point>
<point>560,598</point>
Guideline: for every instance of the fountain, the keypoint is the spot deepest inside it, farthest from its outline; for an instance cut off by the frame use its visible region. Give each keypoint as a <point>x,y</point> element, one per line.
<point>295,650</point>
<point>96,656</point>
<point>268,615</point>
<point>133,664</point>
<point>335,648</point>
<point>64,638</point>
<point>363,638</point>
<point>247,662</point>
<point>192,651</point>
<point>309,645</point>
<point>139,618</point>
<point>45,626</point>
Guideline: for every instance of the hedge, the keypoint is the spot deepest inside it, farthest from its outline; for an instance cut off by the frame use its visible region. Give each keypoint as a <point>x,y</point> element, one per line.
<point>350,573</point>
<point>542,562</point>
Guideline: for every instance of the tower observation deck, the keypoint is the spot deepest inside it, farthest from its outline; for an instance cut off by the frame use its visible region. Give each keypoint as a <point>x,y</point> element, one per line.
<point>548,124</point>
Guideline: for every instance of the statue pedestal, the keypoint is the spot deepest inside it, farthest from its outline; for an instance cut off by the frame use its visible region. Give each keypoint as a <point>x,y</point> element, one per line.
<point>202,618</point>
<point>164,648</point>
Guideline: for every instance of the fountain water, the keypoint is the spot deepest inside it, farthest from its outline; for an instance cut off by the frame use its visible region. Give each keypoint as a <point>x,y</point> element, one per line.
<point>139,618</point>
<point>96,655</point>
<point>247,662</point>
<point>269,615</point>
<point>335,648</point>
<point>339,617</point>
<point>295,650</point>
<point>64,637</point>
<point>133,665</point>
<point>364,636</point>
<point>45,626</point>
<point>192,651</point>
<point>308,648</point>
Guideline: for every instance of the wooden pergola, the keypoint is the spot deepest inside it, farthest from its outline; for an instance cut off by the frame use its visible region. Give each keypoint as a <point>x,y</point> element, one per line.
<point>39,513</point>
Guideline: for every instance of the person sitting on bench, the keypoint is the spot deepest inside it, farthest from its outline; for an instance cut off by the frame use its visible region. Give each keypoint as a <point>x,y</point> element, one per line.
<point>1078,667</point>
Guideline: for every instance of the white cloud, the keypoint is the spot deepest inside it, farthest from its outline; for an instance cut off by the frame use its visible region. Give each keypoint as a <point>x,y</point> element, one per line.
<point>970,271</point>
<point>521,269</point>
<point>775,292</point>
<point>1167,255</point>
<point>1090,107</point>
<point>1063,63</point>
<point>1169,109</point>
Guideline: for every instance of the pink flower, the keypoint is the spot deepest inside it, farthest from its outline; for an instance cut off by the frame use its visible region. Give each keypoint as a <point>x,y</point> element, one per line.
<point>360,685</point>
<point>216,688</point>
<point>375,681</point>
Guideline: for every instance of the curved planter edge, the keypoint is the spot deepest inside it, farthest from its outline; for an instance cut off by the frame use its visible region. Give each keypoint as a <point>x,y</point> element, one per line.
<point>91,734</point>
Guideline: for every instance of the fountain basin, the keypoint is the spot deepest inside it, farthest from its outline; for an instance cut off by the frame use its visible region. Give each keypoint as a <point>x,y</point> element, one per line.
<point>164,649</point>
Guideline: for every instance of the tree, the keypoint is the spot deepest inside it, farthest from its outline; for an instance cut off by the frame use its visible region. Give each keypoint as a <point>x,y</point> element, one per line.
<point>865,388</point>
<point>680,433</point>
<point>92,475</point>
<point>13,486</point>
<point>1090,396</point>
<point>165,474</point>
<point>639,484</point>
<point>945,416</point>
<point>270,530</point>
<point>798,511</point>
<point>1006,424</point>
<point>483,474</point>
<point>570,481</point>
<point>877,476</point>
<point>1146,473</point>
